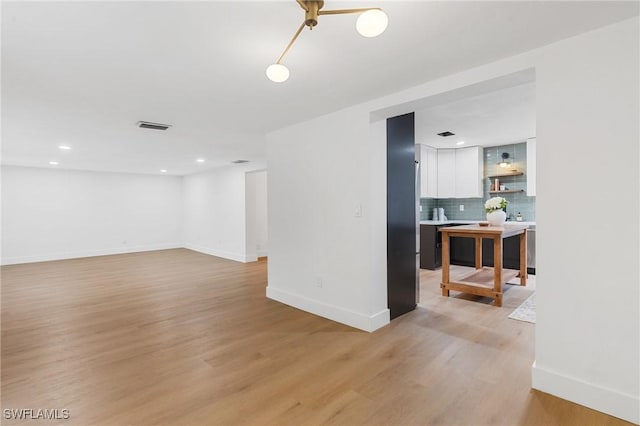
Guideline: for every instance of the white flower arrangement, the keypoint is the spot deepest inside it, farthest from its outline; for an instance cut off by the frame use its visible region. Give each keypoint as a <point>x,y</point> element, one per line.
<point>495,203</point>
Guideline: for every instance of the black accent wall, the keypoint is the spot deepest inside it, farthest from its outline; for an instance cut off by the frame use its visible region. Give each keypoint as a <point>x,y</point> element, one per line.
<point>402,269</point>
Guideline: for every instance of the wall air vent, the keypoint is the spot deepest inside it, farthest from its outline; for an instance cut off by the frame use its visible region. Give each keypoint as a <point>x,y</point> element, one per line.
<point>240,161</point>
<point>154,126</point>
<point>445,134</point>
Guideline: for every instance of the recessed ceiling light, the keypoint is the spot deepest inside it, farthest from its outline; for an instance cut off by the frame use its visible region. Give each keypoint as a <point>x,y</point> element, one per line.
<point>163,171</point>
<point>200,160</point>
<point>53,163</point>
<point>64,147</point>
<point>460,143</point>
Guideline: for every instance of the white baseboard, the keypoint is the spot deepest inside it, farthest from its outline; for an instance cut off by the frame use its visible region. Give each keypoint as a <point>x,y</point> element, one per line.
<point>609,401</point>
<point>252,257</point>
<point>124,250</point>
<point>89,253</point>
<point>379,320</point>
<point>332,312</point>
<point>221,253</point>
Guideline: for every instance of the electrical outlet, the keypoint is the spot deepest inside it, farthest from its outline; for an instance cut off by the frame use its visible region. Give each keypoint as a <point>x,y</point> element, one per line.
<point>461,207</point>
<point>319,282</point>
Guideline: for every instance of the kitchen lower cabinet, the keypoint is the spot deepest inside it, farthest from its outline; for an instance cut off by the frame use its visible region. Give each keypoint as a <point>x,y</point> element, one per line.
<point>430,247</point>
<point>463,252</point>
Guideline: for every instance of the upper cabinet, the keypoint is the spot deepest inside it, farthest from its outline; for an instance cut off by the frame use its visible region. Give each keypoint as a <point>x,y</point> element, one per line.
<point>531,167</point>
<point>468,172</point>
<point>446,173</point>
<point>451,173</point>
<point>428,172</point>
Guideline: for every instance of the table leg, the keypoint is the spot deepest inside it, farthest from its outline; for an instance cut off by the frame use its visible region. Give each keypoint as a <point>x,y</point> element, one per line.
<point>497,269</point>
<point>523,258</point>
<point>445,263</point>
<point>478,253</point>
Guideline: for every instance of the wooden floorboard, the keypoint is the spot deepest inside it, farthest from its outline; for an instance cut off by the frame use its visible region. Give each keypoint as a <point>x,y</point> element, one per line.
<point>176,337</point>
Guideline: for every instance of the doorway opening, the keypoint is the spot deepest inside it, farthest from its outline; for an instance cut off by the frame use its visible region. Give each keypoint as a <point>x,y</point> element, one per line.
<point>466,139</point>
<point>256,235</point>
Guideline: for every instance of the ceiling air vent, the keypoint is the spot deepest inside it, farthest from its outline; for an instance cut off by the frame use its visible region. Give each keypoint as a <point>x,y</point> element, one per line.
<point>154,126</point>
<point>240,161</point>
<point>445,134</point>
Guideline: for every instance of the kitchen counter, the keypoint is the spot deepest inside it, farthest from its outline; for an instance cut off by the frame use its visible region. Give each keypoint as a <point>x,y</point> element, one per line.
<point>468,222</point>
<point>462,250</point>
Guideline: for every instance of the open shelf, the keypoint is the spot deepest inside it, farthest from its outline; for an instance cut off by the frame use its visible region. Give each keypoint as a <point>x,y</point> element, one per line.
<point>507,191</point>
<point>514,173</point>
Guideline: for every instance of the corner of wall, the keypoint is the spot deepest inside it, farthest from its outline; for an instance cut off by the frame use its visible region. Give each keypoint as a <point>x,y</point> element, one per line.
<point>238,257</point>
<point>353,319</point>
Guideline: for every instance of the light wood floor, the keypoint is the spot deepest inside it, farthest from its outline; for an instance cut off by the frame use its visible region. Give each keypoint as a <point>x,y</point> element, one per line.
<point>180,338</point>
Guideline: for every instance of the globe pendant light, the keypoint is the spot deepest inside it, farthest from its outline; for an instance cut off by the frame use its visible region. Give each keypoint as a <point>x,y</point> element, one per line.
<point>277,73</point>
<point>372,23</point>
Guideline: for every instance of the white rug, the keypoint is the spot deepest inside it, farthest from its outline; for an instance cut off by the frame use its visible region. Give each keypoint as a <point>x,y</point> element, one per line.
<point>526,311</point>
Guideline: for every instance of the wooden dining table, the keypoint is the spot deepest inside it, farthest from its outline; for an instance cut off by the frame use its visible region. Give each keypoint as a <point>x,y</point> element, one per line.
<point>484,281</point>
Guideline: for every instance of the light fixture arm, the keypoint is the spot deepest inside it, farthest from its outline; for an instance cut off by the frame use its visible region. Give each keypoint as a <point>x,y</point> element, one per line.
<point>293,39</point>
<point>345,11</point>
<point>319,12</point>
<point>303,5</point>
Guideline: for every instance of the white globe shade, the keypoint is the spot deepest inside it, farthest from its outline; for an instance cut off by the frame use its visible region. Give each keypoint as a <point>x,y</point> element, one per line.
<point>372,23</point>
<point>277,73</point>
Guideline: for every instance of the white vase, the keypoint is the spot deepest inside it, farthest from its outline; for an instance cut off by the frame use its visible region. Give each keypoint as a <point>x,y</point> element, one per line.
<point>496,217</point>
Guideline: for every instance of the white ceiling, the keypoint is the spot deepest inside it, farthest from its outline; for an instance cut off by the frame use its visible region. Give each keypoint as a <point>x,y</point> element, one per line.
<point>83,73</point>
<point>496,118</point>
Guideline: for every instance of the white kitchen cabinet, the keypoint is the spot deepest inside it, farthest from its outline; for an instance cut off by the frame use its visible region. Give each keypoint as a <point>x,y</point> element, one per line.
<point>446,173</point>
<point>451,173</point>
<point>468,172</point>
<point>428,172</point>
<point>531,167</point>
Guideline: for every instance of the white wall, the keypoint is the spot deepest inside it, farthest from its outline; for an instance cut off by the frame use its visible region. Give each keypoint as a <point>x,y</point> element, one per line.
<point>587,341</point>
<point>587,335</point>
<point>256,208</point>
<point>317,246</point>
<point>214,212</point>
<point>52,214</point>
